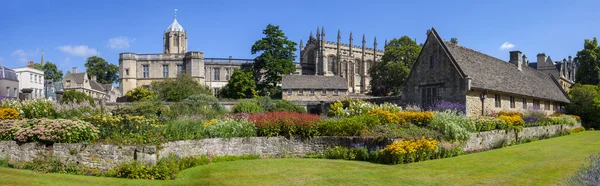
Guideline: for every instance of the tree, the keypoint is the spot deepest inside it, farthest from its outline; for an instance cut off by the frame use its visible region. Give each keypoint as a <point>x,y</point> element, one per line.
<point>240,85</point>
<point>51,72</point>
<point>276,59</point>
<point>589,62</point>
<point>140,93</point>
<point>585,102</point>
<point>177,89</point>
<point>390,74</point>
<point>106,73</point>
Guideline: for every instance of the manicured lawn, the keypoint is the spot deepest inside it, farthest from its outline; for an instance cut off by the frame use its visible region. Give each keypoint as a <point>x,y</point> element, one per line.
<point>545,162</point>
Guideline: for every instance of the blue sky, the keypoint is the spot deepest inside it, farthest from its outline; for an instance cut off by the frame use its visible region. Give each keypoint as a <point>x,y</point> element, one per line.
<point>71,31</point>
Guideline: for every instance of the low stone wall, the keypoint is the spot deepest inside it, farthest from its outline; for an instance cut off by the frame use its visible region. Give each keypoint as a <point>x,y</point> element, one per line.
<point>483,141</point>
<point>106,156</point>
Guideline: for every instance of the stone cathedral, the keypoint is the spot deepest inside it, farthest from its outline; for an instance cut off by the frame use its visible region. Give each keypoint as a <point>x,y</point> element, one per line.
<point>325,58</point>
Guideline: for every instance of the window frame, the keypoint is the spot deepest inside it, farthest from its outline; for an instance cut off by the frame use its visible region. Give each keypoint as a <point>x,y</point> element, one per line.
<point>145,71</point>
<point>179,69</point>
<point>497,101</point>
<point>524,103</point>
<point>300,91</point>
<point>431,62</point>
<point>335,91</point>
<point>217,74</point>
<point>324,92</point>
<point>290,91</point>
<point>312,91</point>
<point>165,71</point>
<point>512,102</point>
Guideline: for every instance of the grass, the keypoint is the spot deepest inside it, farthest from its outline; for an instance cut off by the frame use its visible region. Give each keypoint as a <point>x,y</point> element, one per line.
<point>545,162</point>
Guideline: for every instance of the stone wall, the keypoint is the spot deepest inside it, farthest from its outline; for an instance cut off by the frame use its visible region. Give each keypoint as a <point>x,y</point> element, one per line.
<point>483,141</point>
<point>473,103</point>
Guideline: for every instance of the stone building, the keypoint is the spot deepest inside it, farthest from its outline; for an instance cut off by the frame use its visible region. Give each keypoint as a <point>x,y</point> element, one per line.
<point>313,88</point>
<point>324,58</point>
<point>563,71</point>
<point>9,84</point>
<point>83,82</point>
<point>33,79</point>
<point>447,71</point>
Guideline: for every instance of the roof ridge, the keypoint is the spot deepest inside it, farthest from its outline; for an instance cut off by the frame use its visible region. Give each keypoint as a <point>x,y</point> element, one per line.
<point>447,42</point>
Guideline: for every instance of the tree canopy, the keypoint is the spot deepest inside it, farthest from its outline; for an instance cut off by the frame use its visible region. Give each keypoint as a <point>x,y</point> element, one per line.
<point>51,72</point>
<point>240,85</point>
<point>389,75</point>
<point>589,63</point>
<point>106,73</point>
<point>276,59</point>
<point>177,89</point>
<point>585,102</point>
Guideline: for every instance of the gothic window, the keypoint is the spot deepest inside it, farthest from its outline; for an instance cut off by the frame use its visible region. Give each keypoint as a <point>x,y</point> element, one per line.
<point>176,38</point>
<point>312,91</point>
<point>343,69</point>
<point>301,91</point>
<point>324,91</point>
<point>165,70</point>
<point>31,78</point>
<point>497,101</point>
<point>335,91</point>
<point>429,96</point>
<point>331,64</point>
<point>357,67</point>
<point>146,72</point>
<point>68,83</point>
<point>217,74</point>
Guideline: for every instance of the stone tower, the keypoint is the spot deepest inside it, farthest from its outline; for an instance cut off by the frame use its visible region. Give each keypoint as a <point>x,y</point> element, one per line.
<point>175,38</point>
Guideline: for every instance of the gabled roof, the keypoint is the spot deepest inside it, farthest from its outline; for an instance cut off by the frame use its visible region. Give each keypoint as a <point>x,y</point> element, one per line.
<point>313,82</point>
<point>80,77</point>
<point>490,73</point>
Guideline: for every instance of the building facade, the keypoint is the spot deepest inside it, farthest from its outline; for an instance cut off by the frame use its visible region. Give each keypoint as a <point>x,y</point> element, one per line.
<point>82,82</point>
<point>484,84</point>
<point>324,58</point>
<point>9,84</point>
<point>33,79</point>
<point>313,88</point>
<point>563,71</point>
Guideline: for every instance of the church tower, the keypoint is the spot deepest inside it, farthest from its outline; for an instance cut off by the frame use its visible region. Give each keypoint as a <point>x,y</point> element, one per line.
<point>175,38</point>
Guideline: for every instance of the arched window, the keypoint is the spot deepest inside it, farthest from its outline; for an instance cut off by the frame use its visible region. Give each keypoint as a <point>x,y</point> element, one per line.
<point>343,68</point>
<point>357,67</point>
<point>331,64</point>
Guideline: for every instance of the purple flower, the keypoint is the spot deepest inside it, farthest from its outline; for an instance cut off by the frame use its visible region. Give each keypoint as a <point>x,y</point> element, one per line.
<point>446,105</point>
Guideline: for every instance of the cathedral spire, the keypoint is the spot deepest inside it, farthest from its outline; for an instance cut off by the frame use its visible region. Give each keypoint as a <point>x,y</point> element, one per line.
<point>385,43</point>
<point>375,41</point>
<point>339,35</point>
<point>301,45</point>
<point>364,39</point>
<point>318,33</point>
<point>351,36</point>
<point>323,31</point>
<point>42,62</point>
<point>310,37</point>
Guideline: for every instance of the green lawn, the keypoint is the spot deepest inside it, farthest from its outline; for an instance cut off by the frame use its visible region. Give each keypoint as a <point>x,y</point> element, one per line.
<point>545,162</point>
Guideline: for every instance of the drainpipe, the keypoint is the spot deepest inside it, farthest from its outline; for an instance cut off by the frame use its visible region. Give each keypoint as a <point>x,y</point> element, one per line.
<point>483,96</point>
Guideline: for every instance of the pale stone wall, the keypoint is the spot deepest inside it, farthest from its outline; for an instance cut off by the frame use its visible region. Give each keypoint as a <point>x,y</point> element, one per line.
<point>317,96</point>
<point>473,103</point>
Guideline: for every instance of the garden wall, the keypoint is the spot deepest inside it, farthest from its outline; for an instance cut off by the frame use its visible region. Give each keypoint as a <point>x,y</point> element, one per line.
<point>106,156</point>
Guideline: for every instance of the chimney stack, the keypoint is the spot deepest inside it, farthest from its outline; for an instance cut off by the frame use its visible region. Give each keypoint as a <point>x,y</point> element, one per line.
<point>525,61</point>
<point>515,58</point>
<point>74,70</point>
<point>541,59</point>
<point>30,64</point>
<point>93,77</point>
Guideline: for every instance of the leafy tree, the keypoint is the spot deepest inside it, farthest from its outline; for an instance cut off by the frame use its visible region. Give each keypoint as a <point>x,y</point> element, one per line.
<point>276,59</point>
<point>51,72</point>
<point>390,74</point>
<point>106,73</point>
<point>585,102</point>
<point>589,62</point>
<point>71,96</point>
<point>177,89</point>
<point>140,93</point>
<point>240,85</point>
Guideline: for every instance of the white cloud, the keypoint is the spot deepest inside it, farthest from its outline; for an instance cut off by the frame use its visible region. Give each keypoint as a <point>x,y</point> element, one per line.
<point>506,46</point>
<point>81,50</point>
<point>119,42</point>
<point>22,55</point>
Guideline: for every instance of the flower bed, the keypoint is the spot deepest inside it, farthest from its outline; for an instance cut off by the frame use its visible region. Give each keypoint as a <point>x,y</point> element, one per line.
<point>48,131</point>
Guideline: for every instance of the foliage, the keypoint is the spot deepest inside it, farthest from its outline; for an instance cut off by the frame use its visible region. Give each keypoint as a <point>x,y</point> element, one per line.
<point>147,108</point>
<point>276,59</point>
<point>447,105</point>
<point>240,85</point>
<point>509,113</point>
<point>48,131</point>
<point>71,96</point>
<point>266,103</point>
<point>285,124</point>
<point>36,108</point>
<point>417,118</point>
<point>285,105</point>
<point>179,88</point>
<point>588,63</point>
<point>588,174</point>
<point>184,129</point>
<point>484,123</point>
<point>74,110</point>
<point>408,151</point>
<point>395,132</point>
<point>337,152</point>
<point>578,129</point>
<point>350,126</point>
<point>391,73</point>
<point>228,128</point>
<point>168,167</point>
<point>513,121</point>
<point>585,102</point>
<point>247,106</point>
<point>199,104</point>
<point>106,73</point>
<point>453,126</point>
<point>127,129</point>
<point>337,109</point>
<point>8,113</point>
<point>386,117</point>
<point>140,93</point>
<point>51,72</point>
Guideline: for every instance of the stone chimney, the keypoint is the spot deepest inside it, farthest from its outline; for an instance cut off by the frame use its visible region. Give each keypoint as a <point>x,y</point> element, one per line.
<point>74,70</point>
<point>541,58</point>
<point>525,61</point>
<point>30,64</point>
<point>93,77</point>
<point>515,58</point>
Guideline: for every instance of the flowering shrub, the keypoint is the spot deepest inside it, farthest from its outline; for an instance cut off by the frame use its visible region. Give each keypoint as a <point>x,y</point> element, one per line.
<point>446,105</point>
<point>416,118</point>
<point>127,129</point>
<point>247,106</point>
<point>386,117</point>
<point>350,126</point>
<point>74,110</point>
<point>337,109</point>
<point>395,132</point>
<point>513,121</point>
<point>228,128</point>
<point>578,129</point>
<point>453,126</point>
<point>8,113</point>
<point>36,108</point>
<point>509,113</point>
<point>588,173</point>
<point>408,151</point>
<point>285,124</point>
<point>184,128</point>
<point>237,116</point>
<point>48,131</point>
<point>485,123</point>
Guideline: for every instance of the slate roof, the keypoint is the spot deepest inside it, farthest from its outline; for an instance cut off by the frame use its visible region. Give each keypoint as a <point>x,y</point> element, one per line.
<point>81,76</point>
<point>490,73</point>
<point>314,82</point>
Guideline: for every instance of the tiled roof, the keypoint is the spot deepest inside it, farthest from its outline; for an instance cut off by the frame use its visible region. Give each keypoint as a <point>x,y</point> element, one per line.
<point>315,82</point>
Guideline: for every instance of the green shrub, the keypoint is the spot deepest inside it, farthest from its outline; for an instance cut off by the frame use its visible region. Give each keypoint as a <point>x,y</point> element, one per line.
<point>337,152</point>
<point>484,123</point>
<point>148,108</point>
<point>48,131</point>
<point>228,128</point>
<point>36,108</point>
<point>351,126</point>
<point>75,110</point>
<point>140,93</point>
<point>184,129</point>
<point>585,103</point>
<point>410,133</point>
<point>127,129</point>
<point>179,88</point>
<point>452,125</point>
<point>266,103</point>
<point>360,154</point>
<point>285,105</point>
<point>70,96</point>
<point>203,105</point>
<point>247,106</point>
